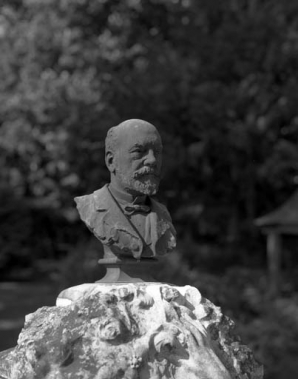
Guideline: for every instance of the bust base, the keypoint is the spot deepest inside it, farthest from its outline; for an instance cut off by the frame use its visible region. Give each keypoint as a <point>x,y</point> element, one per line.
<point>127,270</point>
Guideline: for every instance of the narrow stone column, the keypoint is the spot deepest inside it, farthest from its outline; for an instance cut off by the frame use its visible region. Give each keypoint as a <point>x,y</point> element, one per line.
<point>126,270</point>
<point>274,261</point>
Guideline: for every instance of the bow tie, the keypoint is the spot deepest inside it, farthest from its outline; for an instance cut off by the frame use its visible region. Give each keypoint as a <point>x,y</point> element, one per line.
<point>130,209</point>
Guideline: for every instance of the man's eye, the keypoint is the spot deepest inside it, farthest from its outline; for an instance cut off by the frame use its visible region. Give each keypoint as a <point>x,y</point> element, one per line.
<point>137,151</point>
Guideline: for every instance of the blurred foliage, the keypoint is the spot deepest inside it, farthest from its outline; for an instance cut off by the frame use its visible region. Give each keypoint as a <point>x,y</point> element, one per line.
<point>219,80</point>
<point>31,235</point>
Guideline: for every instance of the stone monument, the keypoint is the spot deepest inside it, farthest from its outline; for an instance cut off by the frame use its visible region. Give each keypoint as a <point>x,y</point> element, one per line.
<point>126,325</point>
<point>134,228</point>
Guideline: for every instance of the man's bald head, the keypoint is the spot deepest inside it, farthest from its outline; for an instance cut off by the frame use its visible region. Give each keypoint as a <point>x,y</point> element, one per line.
<point>114,133</point>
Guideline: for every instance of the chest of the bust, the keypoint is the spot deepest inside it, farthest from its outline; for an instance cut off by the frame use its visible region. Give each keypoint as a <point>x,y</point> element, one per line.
<point>132,235</point>
<point>137,235</point>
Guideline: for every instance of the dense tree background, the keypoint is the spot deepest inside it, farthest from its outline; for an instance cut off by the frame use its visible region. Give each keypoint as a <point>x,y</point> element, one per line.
<point>218,78</point>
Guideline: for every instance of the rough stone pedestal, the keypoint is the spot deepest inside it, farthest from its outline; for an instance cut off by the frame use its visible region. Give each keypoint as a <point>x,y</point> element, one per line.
<point>129,331</point>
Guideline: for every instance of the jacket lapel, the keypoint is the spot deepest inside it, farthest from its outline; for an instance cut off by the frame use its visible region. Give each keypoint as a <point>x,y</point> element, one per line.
<point>114,217</point>
<point>160,223</point>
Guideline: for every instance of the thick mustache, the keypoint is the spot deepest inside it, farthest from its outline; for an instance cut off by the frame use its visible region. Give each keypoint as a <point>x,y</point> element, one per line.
<point>145,171</point>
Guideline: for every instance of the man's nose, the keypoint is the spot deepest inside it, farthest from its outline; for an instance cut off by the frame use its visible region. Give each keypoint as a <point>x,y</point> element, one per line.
<point>150,158</point>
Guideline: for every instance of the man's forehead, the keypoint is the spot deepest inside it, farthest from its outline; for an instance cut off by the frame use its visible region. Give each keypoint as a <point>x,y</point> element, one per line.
<point>138,134</point>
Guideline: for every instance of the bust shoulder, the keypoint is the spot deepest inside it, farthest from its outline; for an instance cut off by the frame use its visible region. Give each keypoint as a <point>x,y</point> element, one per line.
<point>160,209</point>
<point>88,204</point>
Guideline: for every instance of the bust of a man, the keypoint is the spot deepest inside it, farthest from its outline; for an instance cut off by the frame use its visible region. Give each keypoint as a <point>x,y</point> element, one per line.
<point>123,214</point>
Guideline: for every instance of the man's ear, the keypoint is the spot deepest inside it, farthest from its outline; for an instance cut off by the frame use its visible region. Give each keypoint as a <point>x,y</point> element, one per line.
<point>110,161</point>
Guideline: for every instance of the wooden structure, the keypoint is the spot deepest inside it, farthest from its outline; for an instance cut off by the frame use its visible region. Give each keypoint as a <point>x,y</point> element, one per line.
<point>282,221</point>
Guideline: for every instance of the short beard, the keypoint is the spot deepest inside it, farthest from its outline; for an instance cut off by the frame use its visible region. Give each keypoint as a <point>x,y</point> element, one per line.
<point>143,185</point>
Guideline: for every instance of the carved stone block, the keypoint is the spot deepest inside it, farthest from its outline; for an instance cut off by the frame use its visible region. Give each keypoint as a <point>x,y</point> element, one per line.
<point>130,331</point>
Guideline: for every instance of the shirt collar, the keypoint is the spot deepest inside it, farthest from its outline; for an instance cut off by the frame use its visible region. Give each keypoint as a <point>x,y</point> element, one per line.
<point>124,197</point>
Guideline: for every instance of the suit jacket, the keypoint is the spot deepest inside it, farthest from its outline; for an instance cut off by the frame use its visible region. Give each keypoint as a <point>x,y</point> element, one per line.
<point>108,223</point>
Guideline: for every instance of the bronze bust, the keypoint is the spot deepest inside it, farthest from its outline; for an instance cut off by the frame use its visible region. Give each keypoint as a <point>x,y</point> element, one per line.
<point>123,214</point>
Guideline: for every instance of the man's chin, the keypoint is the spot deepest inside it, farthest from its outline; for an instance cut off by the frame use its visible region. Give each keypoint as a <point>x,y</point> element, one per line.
<point>146,187</point>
